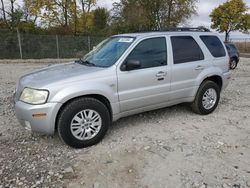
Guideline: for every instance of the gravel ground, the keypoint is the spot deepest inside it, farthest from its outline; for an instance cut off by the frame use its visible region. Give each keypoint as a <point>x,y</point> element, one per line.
<point>171,147</point>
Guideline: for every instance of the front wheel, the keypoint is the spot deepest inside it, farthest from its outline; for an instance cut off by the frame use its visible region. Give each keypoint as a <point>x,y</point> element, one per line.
<point>83,122</point>
<point>207,98</point>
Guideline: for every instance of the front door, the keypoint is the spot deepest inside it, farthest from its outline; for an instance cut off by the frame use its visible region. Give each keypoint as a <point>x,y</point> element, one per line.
<point>150,84</point>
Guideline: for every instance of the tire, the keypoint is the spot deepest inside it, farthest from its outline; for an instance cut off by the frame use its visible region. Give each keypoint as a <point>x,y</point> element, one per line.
<point>233,63</point>
<point>83,122</point>
<point>199,105</point>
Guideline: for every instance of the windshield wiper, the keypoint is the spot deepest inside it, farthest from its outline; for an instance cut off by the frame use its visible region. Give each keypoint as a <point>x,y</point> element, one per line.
<point>81,61</point>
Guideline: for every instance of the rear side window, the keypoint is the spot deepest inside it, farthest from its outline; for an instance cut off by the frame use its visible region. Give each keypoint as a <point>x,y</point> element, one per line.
<point>186,49</point>
<point>214,45</point>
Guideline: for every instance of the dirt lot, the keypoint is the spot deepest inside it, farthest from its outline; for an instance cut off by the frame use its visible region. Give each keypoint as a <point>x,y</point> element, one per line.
<point>171,147</point>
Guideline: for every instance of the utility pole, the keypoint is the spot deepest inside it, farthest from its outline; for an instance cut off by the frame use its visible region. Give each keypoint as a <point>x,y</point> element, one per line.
<point>19,43</point>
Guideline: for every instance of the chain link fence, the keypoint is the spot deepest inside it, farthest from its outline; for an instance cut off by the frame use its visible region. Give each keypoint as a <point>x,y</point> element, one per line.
<point>15,45</point>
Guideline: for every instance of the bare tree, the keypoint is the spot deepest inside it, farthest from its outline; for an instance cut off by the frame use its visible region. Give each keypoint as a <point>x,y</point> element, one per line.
<point>86,8</point>
<point>4,13</point>
<point>87,5</point>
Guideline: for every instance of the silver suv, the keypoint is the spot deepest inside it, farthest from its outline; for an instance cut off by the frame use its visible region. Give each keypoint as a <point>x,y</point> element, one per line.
<point>124,75</point>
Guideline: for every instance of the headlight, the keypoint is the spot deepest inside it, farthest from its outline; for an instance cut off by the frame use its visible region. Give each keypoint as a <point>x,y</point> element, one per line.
<point>34,96</point>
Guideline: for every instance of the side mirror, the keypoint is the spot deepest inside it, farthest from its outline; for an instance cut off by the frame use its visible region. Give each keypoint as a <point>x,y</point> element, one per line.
<point>132,65</point>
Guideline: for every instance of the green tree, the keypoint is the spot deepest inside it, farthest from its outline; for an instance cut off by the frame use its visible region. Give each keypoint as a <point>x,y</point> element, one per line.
<point>139,15</point>
<point>129,16</point>
<point>86,6</point>
<point>100,19</point>
<point>231,16</point>
<point>66,16</point>
<point>52,12</point>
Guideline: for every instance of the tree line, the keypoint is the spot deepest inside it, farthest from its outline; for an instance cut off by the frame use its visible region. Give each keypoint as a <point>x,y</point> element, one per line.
<point>86,17</point>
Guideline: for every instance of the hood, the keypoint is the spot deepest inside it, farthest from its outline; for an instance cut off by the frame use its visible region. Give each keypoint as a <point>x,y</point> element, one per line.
<point>68,72</point>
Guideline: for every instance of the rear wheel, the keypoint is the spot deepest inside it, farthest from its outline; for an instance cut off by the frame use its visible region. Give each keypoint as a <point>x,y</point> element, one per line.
<point>207,98</point>
<point>83,122</point>
<point>233,63</point>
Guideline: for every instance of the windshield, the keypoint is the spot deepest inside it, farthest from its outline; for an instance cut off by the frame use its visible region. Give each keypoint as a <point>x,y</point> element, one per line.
<point>108,52</point>
<point>233,47</point>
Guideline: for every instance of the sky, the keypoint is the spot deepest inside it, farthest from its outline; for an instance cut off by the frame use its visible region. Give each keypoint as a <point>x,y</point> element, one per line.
<point>204,8</point>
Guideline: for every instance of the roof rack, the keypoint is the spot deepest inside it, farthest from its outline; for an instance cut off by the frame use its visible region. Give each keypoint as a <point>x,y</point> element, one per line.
<point>194,29</point>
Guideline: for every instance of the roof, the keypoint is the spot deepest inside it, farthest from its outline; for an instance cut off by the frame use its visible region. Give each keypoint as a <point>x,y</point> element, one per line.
<point>169,31</point>
<point>157,33</point>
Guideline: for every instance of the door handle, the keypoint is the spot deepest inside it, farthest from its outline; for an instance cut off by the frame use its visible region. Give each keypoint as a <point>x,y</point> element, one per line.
<point>199,67</point>
<point>161,74</point>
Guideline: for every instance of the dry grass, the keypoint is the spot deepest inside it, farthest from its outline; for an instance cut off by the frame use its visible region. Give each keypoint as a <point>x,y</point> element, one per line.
<point>244,47</point>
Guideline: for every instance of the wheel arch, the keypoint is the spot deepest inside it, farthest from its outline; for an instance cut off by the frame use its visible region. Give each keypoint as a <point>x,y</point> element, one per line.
<point>198,105</point>
<point>215,78</point>
<point>98,97</point>
<point>212,77</point>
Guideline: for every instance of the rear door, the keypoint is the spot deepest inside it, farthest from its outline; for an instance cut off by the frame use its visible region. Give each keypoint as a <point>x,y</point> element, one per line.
<point>188,63</point>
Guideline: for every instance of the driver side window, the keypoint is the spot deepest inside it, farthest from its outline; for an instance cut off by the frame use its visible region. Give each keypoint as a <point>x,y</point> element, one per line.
<point>150,53</point>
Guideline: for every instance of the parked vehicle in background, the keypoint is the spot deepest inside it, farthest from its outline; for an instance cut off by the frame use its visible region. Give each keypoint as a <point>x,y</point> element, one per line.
<point>234,55</point>
<point>124,75</point>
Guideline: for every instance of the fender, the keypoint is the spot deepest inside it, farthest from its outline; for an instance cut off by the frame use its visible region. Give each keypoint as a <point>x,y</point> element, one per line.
<point>209,72</point>
<point>80,89</point>
<point>74,90</point>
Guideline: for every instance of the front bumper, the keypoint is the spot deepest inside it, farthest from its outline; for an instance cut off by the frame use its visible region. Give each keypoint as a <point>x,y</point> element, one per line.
<point>46,124</point>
